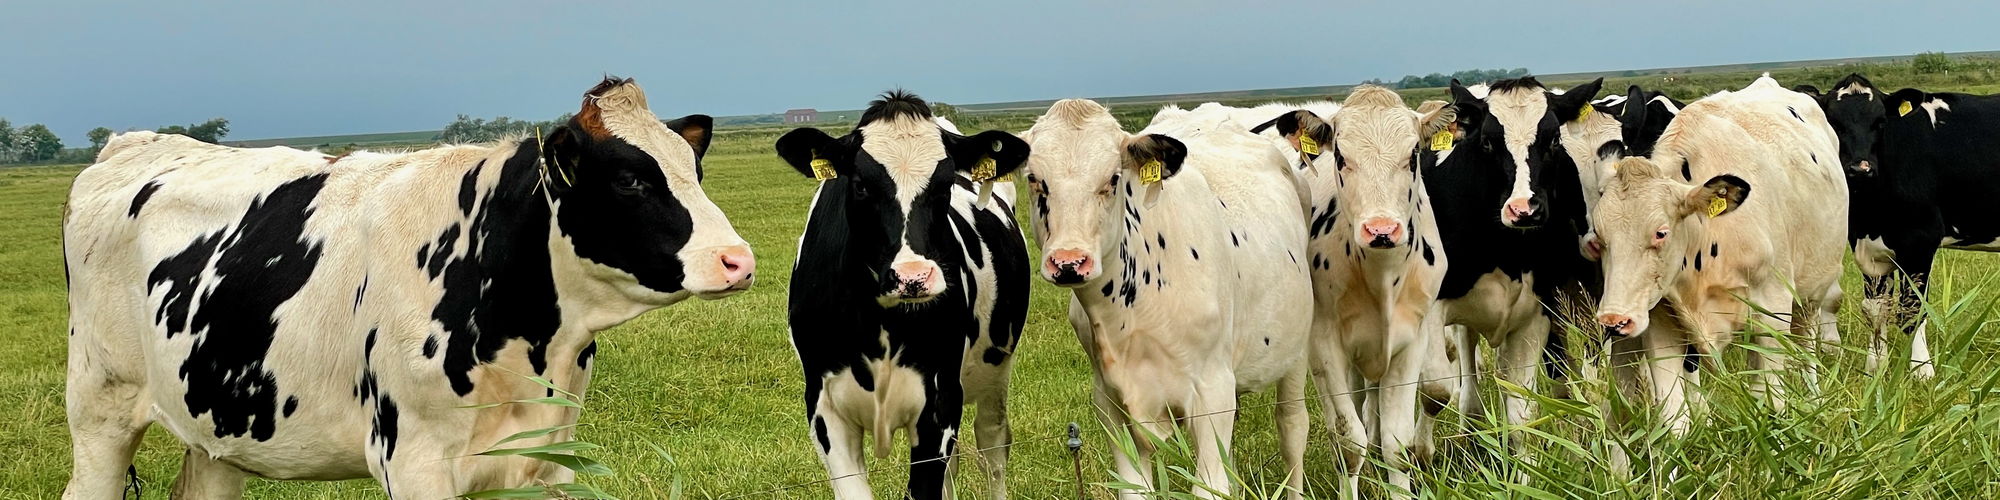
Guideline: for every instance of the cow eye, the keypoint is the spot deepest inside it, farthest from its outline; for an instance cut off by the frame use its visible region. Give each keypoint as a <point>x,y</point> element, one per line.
<point>1109,186</point>
<point>1659,237</point>
<point>629,185</point>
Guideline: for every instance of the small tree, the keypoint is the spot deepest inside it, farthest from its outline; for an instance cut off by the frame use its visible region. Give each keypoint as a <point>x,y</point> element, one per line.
<point>945,111</point>
<point>211,131</point>
<point>36,143</point>
<point>6,141</point>
<point>98,137</point>
<point>1932,63</point>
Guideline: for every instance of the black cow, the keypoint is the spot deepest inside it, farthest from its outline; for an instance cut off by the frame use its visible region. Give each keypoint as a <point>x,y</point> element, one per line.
<point>905,280</point>
<point>1920,173</point>
<point>1507,271</point>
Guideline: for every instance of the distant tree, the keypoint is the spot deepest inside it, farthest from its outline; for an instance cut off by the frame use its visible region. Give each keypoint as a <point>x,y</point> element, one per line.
<point>210,131</point>
<point>98,136</point>
<point>1374,81</point>
<point>466,129</point>
<point>6,141</point>
<point>36,143</point>
<point>1931,63</point>
<point>1468,77</point>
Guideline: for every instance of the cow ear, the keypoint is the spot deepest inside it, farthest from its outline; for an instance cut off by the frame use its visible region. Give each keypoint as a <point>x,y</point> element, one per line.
<point>1569,106</point>
<point>1905,101</point>
<point>1441,119</point>
<point>803,147</point>
<point>1301,126</point>
<point>972,154</point>
<point>1808,90</point>
<point>1144,151</point>
<point>696,129</point>
<point>1460,94</point>
<point>561,151</point>
<point>1720,195</point>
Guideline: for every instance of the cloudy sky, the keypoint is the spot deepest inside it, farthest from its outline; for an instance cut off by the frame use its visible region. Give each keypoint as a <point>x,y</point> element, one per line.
<point>277,69</point>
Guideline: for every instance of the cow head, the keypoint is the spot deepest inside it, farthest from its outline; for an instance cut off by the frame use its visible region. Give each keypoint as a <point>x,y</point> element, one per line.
<point>1517,126</point>
<point>893,177</point>
<point>1374,147</point>
<point>626,192</point>
<point>1857,111</point>
<point>1650,222</point>
<point>1616,127</point>
<point>1084,174</point>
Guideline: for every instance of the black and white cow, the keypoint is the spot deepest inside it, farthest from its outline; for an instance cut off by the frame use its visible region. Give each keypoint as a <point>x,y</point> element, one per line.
<point>1920,170</point>
<point>263,305</point>
<point>909,293</point>
<point>1504,155</point>
<point>1184,247</point>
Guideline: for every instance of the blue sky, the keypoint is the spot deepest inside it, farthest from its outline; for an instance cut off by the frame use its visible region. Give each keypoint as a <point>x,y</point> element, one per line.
<point>281,69</point>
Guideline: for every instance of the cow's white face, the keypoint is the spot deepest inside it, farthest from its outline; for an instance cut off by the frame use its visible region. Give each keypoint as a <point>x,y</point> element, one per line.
<point>1650,224</point>
<point>892,179</point>
<point>1084,174</point>
<point>1375,140</point>
<point>626,195</point>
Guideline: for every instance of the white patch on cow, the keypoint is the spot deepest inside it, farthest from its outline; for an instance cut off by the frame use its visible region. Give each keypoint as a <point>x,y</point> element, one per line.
<point>909,149</point>
<point>1854,89</point>
<point>1874,257</point>
<point>1520,113</point>
<point>1664,101</point>
<point>1932,107</point>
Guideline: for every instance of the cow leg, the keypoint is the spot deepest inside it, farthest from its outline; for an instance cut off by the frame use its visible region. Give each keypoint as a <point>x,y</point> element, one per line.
<point>1212,432</point>
<point>1877,297</point>
<point>1336,380</point>
<point>107,418</point>
<point>992,432</point>
<point>1520,353</point>
<point>1769,363</point>
<point>934,445</point>
<point>1919,267</point>
<point>203,477</point>
<point>840,450</point>
<point>1469,402</point>
<point>1398,398</point>
<point>1293,424</point>
<point>1665,365</point>
<point>1133,468</point>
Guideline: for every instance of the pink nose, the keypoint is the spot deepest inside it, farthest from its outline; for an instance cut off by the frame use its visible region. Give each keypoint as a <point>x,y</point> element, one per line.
<point>1616,325</point>
<point>1069,266</point>
<point>738,267</point>
<point>917,279</point>
<point>1864,166</point>
<point>1382,232</point>
<point>1518,208</point>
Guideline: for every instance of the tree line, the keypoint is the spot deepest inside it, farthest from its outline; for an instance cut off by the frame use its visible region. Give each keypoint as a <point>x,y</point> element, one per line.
<point>37,144</point>
<point>467,129</point>
<point>1468,77</point>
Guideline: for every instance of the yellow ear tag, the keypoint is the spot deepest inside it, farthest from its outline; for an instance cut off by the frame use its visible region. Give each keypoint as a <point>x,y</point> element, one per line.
<point>1904,109</point>
<point>1441,140</point>
<point>1716,205</point>
<point>1307,145</point>
<point>984,170</point>
<point>823,169</point>
<point>1581,115</point>
<point>1151,172</point>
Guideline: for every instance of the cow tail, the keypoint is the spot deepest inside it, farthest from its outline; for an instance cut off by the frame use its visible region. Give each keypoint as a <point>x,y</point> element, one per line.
<point>885,424</point>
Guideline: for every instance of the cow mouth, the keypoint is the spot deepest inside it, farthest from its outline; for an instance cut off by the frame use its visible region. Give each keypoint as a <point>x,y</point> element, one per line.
<point>735,288</point>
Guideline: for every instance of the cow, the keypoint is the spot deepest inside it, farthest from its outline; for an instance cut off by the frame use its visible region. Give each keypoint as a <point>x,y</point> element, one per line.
<point>1918,165</point>
<point>262,304</point>
<point>1189,277</point>
<point>1681,227</point>
<point>1501,153</point>
<point>1377,265</point>
<point>909,293</point>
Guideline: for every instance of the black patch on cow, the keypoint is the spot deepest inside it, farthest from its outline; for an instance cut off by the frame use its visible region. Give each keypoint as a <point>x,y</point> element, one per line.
<point>994,356</point>
<point>1714,249</point>
<point>383,430</point>
<point>145,193</point>
<point>359,292</point>
<point>181,273</point>
<point>1429,257</point>
<point>819,431</point>
<point>1163,240</point>
<point>430,346</point>
<point>468,188</point>
<point>382,425</point>
<point>1686,175</point>
<point>424,256</point>
<point>1107,287</point>
<point>583,357</point>
<point>1795,113</point>
<point>1697,261</point>
<point>1511,84</point>
<point>1195,253</point>
<point>291,405</point>
<point>1233,241</point>
<point>446,242</point>
<point>500,289</point>
<point>261,264</point>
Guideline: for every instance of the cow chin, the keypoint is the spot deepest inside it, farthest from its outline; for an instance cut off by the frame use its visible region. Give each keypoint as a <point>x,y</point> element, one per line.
<point>893,300</point>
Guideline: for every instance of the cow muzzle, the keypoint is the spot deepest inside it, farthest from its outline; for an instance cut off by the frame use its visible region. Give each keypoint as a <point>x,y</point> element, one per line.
<point>1619,325</point>
<point>912,282</point>
<point>725,271</point>
<point>1523,213</point>
<point>1069,267</point>
<point>1861,168</point>
<point>1382,232</point>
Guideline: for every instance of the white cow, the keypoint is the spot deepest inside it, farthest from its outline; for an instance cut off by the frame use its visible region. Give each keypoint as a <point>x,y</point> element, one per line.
<point>263,306</point>
<point>1189,276</point>
<point>1376,272</point>
<point>1741,202</point>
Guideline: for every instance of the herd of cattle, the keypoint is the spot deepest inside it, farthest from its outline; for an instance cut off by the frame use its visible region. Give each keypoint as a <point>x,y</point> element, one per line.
<point>262,305</point>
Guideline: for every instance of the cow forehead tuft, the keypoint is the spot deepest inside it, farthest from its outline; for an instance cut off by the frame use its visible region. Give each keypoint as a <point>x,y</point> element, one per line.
<point>909,147</point>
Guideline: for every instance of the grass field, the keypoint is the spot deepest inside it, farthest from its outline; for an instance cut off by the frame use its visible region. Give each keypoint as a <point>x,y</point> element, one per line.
<point>716,385</point>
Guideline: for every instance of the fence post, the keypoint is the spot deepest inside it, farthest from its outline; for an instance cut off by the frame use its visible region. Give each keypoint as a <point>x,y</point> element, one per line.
<point>1075,444</point>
